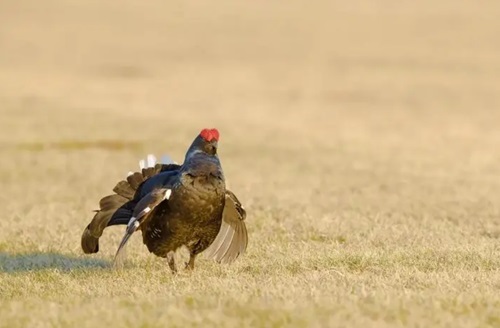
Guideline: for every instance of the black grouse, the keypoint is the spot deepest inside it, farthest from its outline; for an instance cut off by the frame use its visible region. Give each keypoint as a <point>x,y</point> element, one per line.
<point>174,206</point>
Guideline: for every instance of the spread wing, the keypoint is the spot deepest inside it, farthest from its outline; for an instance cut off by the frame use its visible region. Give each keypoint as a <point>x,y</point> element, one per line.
<point>140,215</point>
<point>232,239</point>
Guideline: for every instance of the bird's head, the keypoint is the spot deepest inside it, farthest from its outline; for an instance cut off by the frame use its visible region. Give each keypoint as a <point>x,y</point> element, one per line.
<point>206,143</point>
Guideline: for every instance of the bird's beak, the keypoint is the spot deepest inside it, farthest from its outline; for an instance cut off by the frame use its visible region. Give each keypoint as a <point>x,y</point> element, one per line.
<point>214,145</point>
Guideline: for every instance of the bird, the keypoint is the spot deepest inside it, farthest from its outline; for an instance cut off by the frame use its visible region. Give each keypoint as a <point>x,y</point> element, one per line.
<point>175,205</point>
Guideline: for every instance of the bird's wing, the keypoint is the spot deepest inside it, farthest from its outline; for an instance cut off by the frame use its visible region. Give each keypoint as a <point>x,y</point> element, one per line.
<point>139,216</point>
<point>232,239</point>
<point>117,209</point>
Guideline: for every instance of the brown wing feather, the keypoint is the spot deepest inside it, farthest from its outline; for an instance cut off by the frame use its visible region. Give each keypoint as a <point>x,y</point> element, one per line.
<point>111,202</point>
<point>232,239</point>
<point>92,233</point>
<point>123,188</point>
<point>111,207</point>
<point>148,172</point>
<point>135,180</point>
<point>141,214</point>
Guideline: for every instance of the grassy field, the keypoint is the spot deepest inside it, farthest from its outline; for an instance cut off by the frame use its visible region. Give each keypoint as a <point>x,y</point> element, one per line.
<point>363,138</point>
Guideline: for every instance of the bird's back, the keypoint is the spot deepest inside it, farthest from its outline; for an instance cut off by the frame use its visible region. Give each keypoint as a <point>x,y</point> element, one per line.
<point>166,179</point>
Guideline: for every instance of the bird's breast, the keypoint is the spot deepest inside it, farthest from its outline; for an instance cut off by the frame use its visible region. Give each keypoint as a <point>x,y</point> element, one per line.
<point>200,197</point>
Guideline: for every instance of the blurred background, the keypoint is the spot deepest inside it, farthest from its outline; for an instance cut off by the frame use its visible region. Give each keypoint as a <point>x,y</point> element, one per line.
<point>73,70</point>
<point>361,136</point>
<point>385,104</point>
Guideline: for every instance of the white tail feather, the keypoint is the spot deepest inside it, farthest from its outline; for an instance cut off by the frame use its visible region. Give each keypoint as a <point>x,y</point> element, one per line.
<point>151,160</point>
<point>165,159</point>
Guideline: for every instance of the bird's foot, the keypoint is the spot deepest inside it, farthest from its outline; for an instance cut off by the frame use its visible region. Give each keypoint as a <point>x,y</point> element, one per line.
<point>171,262</point>
<point>190,264</point>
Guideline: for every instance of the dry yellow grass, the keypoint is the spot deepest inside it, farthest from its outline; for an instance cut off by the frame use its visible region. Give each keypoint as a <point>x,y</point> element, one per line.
<point>362,136</point>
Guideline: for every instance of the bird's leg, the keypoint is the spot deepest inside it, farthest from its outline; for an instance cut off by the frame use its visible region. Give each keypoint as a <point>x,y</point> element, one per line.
<point>171,261</point>
<point>190,264</point>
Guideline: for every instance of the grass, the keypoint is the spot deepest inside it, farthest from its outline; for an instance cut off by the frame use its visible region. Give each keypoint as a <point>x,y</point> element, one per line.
<point>362,142</point>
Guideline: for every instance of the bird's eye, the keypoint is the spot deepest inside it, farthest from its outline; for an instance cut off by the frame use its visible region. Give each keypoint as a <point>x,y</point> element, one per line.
<point>211,149</point>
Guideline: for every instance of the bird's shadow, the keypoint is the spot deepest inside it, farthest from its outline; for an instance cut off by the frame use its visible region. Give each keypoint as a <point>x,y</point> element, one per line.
<point>11,263</point>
